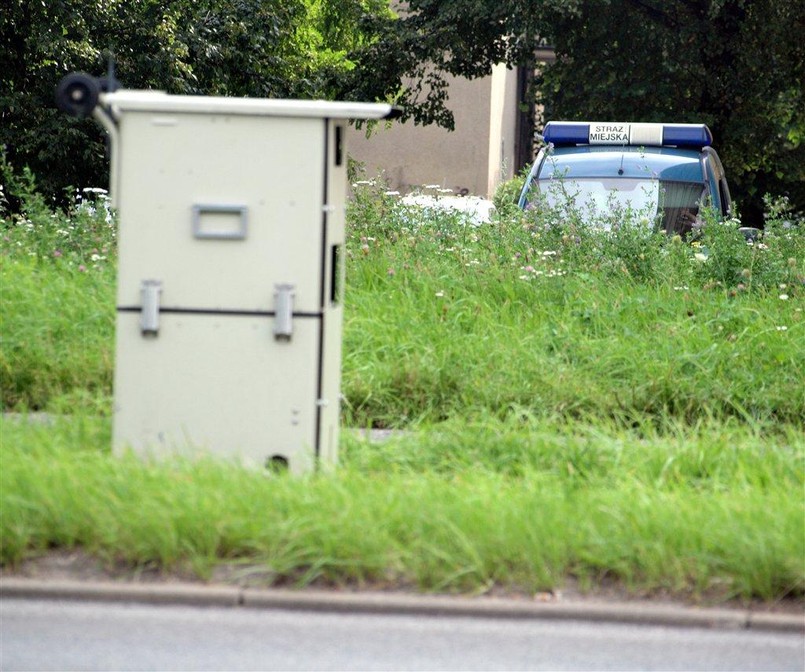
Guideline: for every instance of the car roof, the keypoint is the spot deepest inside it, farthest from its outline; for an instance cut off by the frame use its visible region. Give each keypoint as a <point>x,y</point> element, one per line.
<point>665,163</point>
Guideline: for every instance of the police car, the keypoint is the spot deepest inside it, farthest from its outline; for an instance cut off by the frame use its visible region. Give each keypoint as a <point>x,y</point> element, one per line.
<point>663,172</point>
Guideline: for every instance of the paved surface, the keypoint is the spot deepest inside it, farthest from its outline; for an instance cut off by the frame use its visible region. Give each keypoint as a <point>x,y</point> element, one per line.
<point>55,635</point>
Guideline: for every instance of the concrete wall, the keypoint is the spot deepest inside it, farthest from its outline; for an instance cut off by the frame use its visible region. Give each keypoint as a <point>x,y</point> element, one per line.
<point>472,159</point>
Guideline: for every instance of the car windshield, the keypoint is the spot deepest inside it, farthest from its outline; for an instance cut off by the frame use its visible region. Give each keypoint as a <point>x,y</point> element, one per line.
<point>672,206</point>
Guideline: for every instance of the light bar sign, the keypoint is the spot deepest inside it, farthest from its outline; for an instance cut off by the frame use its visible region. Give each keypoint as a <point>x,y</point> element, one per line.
<point>625,134</point>
<point>620,133</point>
<point>609,134</point>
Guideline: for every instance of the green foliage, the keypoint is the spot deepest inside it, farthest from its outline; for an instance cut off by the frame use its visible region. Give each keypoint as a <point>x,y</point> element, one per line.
<point>733,64</point>
<point>507,194</point>
<point>82,236</point>
<point>544,312</point>
<point>578,405</point>
<point>57,288</point>
<point>265,48</point>
<point>539,311</point>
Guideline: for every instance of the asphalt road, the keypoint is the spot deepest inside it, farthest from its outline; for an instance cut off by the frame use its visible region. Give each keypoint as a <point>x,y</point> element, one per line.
<point>54,635</point>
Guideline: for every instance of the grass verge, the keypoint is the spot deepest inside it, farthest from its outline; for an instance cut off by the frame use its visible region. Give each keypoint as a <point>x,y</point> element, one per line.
<point>56,336</point>
<point>714,512</point>
<point>578,407</point>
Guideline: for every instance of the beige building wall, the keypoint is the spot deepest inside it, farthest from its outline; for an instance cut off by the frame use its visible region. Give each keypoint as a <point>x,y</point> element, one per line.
<point>473,159</point>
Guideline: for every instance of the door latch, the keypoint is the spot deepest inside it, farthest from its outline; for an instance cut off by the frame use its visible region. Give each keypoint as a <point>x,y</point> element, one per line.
<point>149,307</point>
<point>283,311</point>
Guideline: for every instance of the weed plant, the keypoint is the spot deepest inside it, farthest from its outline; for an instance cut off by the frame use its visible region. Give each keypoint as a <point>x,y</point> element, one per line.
<point>82,238</point>
<point>57,288</point>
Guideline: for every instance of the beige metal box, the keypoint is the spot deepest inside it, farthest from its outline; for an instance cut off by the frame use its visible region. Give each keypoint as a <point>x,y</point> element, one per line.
<point>230,280</point>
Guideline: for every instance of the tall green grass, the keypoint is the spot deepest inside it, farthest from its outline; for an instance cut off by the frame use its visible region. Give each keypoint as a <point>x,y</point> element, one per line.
<point>56,299</point>
<point>573,347</point>
<point>444,318</point>
<point>56,336</point>
<point>711,513</point>
<point>577,406</point>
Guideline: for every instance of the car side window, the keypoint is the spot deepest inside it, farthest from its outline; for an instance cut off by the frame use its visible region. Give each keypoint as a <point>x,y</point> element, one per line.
<point>713,184</point>
<point>725,199</point>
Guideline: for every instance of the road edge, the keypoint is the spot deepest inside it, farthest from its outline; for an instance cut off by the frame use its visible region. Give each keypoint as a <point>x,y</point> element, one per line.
<point>381,603</point>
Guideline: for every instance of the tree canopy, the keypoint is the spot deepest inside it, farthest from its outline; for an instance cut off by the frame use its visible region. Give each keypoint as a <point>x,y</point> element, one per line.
<point>736,65</point>
<point>262,48</point>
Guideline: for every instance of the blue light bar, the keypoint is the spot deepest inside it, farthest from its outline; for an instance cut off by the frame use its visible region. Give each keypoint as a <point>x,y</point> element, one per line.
<point>686,135</point>
<point>566,133</point>
<point>616,133</point>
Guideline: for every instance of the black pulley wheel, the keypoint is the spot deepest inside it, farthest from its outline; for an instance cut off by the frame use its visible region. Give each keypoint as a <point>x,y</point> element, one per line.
<point>77,94</point>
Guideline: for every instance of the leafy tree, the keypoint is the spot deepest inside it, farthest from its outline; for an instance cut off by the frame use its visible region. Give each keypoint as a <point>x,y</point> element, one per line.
<point>434,38</point>
<point>263,48</point>
<point>737,65</point>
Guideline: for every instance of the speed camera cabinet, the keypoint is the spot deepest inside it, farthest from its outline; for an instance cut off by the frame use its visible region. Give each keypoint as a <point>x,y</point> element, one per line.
<point>230,280</point>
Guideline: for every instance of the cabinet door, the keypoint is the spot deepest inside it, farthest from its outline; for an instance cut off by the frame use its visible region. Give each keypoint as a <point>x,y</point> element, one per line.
<point>220,209</point>
<point>220,385</point>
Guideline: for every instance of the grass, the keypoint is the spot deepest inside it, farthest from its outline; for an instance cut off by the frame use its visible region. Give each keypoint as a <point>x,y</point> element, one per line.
<point>445,319</point>
<point>577,407</point>
<point>57,337</point>
<point>573,348</point>
<point>706,512</point>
